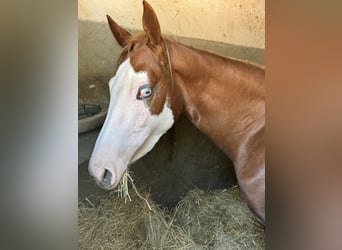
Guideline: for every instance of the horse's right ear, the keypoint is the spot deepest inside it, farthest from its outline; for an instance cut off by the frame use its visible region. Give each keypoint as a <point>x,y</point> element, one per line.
<point>121,35</point>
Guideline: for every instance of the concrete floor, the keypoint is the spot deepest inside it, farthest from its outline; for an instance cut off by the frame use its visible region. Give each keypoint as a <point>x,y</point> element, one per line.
<point>86,142</point>
<point>87,188</point>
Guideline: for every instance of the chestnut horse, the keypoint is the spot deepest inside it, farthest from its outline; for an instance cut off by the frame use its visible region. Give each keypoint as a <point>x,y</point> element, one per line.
<point>156,81</point>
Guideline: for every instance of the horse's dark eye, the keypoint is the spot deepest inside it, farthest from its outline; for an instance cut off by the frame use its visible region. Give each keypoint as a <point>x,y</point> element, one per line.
<point>144,92</point>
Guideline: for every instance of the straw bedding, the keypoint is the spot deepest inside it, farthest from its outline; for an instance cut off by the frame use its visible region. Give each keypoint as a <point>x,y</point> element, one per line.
<point>202,220</point>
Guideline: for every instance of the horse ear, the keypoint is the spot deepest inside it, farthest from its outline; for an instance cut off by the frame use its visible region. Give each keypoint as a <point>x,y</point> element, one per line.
<point>151,24</point>
<point>121,35</point>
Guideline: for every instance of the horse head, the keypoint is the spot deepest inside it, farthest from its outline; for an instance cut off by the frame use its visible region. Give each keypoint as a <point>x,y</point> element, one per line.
<point>143,101</point>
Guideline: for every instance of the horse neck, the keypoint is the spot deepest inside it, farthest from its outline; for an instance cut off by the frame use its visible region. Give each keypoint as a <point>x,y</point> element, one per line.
<point>224,98</point>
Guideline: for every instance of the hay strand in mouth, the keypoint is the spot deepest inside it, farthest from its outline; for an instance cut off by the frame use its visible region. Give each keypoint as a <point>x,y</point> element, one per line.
<point>123,189</point>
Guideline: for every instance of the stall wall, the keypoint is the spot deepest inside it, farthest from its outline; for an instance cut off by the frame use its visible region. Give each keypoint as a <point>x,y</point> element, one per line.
<point>239,22</point>
<point>230,28</point>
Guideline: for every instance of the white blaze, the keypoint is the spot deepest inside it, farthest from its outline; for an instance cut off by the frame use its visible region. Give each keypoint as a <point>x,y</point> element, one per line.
<point>130,130</point>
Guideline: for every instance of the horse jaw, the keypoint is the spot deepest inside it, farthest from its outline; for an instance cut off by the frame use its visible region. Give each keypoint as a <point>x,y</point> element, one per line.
<point>129,131</point>
<point>167,119</point>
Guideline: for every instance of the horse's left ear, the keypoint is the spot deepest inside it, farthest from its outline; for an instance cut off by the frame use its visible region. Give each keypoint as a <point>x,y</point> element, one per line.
<point>121,35</point>
<point>151,24</point>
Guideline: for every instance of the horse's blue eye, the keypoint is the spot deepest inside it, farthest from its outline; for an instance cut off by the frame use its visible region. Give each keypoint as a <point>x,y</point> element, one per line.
<point>144,92</point>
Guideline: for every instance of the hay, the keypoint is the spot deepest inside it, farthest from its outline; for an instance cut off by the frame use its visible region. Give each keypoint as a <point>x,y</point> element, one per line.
<point>219,220</point>
<point>202,220</point>
<point>123,188</point>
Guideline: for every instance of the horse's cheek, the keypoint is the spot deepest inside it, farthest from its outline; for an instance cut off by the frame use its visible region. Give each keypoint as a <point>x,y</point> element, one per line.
<point>141,119</point>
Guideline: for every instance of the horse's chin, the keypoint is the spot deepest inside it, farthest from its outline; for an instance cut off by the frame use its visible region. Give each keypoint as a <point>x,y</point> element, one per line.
<point>105,187</point>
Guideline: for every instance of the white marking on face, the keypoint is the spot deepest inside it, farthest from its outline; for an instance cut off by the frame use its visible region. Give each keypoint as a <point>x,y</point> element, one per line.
<point>130,130</point>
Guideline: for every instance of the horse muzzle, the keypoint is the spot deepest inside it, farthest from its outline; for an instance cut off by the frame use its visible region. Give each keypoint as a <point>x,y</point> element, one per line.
<point>105,178</point>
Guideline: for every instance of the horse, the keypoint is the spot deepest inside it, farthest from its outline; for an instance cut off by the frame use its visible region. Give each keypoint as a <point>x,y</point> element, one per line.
<point>157,79</point>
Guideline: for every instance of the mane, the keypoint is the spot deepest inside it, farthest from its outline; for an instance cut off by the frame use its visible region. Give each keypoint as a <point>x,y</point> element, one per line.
<point>224,57</point>
<point>137,38</point>
<point>140,38</point>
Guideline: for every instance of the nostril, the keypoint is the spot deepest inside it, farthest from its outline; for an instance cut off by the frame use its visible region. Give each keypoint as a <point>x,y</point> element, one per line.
<point>107,178</point>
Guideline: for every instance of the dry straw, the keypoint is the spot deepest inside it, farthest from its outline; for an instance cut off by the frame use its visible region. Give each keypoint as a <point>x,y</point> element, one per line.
<point>123,188</point>
<point>202,220</point>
